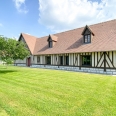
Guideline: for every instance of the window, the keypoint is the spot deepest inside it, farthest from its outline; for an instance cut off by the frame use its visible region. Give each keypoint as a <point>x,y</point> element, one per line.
<point>86,60</point>
<point>50,44</point>
<point>67,60</point>
<point>48,60</point>
<point>87,38</point>
<point>38,59</point>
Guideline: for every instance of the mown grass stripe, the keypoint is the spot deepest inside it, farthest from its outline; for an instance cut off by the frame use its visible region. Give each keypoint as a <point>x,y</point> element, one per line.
<point>42,92</point>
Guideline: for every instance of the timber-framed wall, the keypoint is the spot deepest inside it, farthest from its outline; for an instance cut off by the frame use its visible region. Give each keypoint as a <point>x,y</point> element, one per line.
<point>105,61</point>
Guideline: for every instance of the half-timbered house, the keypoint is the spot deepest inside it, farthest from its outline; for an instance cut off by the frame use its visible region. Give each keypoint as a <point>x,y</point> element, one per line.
<point>87,49</point>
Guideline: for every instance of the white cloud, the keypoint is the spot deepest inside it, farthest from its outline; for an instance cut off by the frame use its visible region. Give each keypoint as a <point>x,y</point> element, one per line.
<point>20,6</point>
<point>60,15</point>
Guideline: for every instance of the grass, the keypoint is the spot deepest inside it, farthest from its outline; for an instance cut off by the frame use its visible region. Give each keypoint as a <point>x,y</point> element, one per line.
<point>41,92</point>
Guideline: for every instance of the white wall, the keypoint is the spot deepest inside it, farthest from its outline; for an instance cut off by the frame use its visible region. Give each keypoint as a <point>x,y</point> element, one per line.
<point>72,56</point>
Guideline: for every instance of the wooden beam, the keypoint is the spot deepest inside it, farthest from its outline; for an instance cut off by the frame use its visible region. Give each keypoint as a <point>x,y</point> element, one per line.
<point>104,61</point>
<point>108,53</point>
<point>94,59</point>
<point>79,61</point>
<point>107,63</point>
<point>99,59</point>
<point>73,59</point>
<point>97,56</point>
<point>53,59</point>
<point>110,60</point>
<point>112,57</point>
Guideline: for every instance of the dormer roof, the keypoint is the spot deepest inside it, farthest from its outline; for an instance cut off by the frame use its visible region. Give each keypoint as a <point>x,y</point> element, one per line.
<point>53,38</point>
<point>87,27</point>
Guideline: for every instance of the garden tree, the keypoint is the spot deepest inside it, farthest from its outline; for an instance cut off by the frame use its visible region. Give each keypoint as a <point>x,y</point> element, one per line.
<point>11,50</point>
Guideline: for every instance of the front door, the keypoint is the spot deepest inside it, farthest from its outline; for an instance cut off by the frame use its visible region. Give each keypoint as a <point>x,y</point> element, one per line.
<point>28,61</point>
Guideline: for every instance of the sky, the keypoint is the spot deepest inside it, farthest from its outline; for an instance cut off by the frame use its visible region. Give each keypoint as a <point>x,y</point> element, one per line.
<point>43,17</point>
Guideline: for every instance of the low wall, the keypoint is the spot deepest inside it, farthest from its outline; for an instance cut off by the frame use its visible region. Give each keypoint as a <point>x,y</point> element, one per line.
<point>23,65</point>
<point>87,70</point>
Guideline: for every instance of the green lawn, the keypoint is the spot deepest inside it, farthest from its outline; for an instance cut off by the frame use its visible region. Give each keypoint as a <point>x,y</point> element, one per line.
<point>42,92</point>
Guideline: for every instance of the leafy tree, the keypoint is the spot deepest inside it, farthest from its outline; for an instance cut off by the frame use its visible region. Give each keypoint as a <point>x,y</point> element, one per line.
<point>11,50</point>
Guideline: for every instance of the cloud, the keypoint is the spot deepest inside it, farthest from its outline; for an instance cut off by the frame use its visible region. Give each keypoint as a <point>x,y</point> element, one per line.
<point>20,6</point>
<point>60,15</point>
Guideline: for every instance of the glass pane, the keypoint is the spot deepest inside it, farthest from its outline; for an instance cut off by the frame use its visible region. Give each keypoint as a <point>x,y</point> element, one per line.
<point>50,44</point>
<point>85,36</point>
<point>86,60</point>
<point>85,40</point>
<point>88,38</point>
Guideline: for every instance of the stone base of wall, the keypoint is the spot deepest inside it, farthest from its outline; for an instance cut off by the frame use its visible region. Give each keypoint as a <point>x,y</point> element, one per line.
<point>23,65</point>
<point>87,70</point>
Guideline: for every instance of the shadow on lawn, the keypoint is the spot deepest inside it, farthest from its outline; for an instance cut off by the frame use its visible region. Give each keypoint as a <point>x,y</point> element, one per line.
<point>7,71</point>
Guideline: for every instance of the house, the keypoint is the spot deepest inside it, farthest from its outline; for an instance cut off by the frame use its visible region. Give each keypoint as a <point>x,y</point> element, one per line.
<point>90,49</point>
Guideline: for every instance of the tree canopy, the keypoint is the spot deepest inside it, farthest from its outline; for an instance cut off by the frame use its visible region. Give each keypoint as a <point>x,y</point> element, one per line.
<point>11,50</point>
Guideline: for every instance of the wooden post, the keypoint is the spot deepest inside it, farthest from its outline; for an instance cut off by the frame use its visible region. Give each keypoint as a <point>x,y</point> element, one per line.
<point>94,59</point>
<point>112,58</point>
<point>77,60</point>
<point>73,59</point>
<point>104,61</point>
<point>80,62</point>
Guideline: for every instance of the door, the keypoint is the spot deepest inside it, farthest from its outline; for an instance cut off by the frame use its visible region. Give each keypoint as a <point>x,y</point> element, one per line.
<point>28,61</point>
<point>61,60</point>
<point>67,60</point>
<point>48,60</point>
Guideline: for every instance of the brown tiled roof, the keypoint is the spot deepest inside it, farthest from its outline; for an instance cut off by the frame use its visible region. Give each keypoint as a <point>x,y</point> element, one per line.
<point>72,41</point>
<point>30,41</point>
<point>54,38</point>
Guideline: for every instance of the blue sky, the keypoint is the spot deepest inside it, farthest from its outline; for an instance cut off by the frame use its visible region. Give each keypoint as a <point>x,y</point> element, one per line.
<point>44,17</point>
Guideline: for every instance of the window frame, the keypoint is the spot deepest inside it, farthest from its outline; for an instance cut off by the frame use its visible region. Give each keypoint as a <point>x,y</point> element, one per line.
<point>50,44</point>
<point>87,36</point>
<point>90,60</point>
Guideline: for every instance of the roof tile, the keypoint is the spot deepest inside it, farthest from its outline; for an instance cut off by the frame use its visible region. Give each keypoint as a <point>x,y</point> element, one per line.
<point>72,41</point>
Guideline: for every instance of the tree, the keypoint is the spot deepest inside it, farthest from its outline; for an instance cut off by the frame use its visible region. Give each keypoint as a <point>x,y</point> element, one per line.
<point>11,50</point>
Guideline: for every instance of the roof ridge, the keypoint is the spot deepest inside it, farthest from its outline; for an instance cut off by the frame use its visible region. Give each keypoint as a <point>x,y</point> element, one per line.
<point>70,29</point>
<point>84,26</point>
<point>29,35</point>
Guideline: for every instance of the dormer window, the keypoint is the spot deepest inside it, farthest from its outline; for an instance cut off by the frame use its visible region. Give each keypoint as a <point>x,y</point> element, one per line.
<point>51,40</point>
<point>87,35</point>
<point>87,38</point>
<point>50,44</point>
